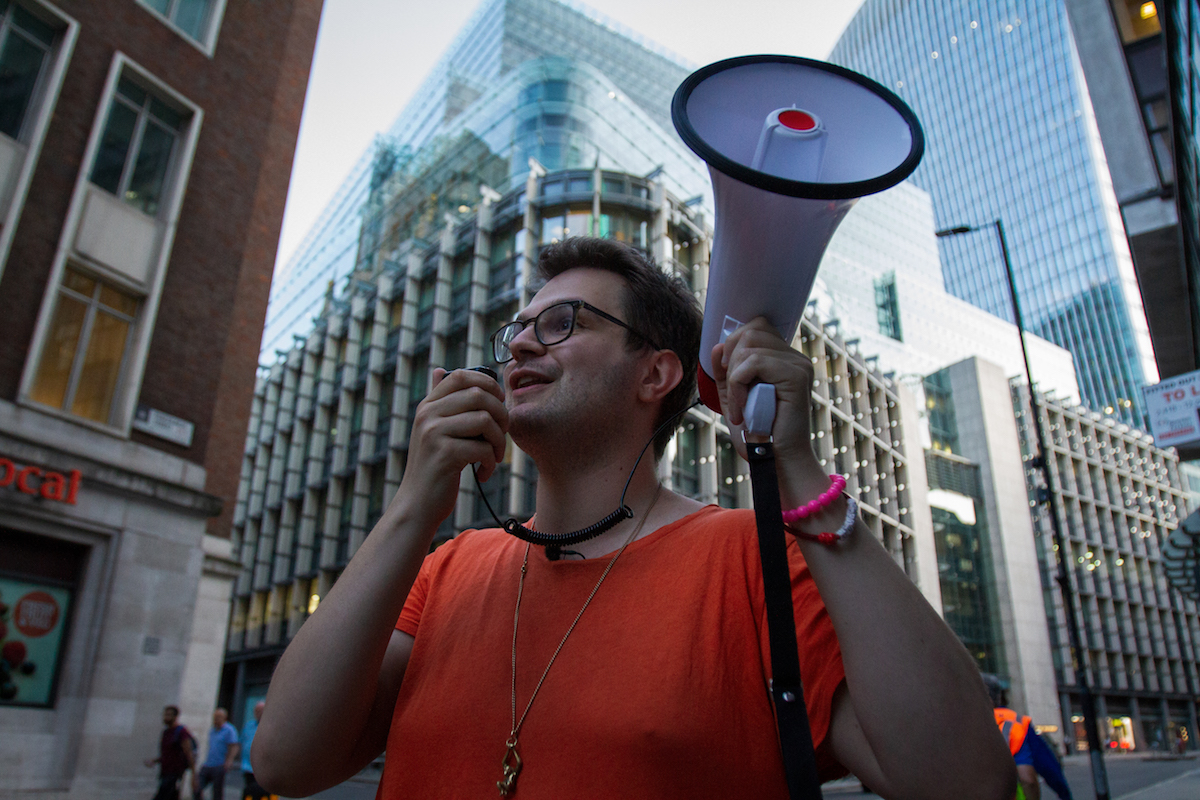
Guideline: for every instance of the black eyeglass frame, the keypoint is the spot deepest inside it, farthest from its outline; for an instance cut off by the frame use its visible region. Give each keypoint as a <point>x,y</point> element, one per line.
<point>575,306</point>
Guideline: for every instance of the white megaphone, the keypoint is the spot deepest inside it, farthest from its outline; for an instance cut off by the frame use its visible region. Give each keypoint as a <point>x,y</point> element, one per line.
<point>791,144</point>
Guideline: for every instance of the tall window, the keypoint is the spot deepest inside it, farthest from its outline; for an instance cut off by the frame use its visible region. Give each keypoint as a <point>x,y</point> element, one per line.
<point>685,470</point>
<point>25,45</point>
<point>727,474</point>
<point>887,307</point>
<point>135,150</point>
<point>85,348</point>
<point>191,17</point>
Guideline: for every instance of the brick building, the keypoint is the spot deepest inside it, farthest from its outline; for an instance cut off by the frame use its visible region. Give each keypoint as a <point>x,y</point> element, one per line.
<point>145,153</point>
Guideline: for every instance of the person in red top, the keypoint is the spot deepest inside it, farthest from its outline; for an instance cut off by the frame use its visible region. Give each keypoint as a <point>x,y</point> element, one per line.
<point>176,755</point>
<point>632,662</point>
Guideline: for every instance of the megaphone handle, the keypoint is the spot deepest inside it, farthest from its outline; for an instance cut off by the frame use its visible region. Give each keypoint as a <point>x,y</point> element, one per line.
<point>759,414</point>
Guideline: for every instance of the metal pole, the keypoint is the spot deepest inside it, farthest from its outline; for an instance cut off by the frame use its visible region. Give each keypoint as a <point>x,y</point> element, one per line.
<point>1078,654</point>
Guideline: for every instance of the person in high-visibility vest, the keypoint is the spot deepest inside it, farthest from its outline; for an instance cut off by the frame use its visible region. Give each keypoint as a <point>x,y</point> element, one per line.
<point>1032,755</point>
<point>1016,729</point>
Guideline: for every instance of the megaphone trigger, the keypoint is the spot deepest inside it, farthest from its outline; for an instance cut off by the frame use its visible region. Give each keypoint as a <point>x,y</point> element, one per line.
<point>759,414</point>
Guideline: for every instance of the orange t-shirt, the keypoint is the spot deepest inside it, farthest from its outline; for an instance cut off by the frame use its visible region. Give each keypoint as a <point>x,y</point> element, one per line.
<point>660,691</point>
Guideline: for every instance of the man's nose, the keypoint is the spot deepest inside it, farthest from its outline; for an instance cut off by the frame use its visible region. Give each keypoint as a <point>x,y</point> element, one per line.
<point>525,343</point>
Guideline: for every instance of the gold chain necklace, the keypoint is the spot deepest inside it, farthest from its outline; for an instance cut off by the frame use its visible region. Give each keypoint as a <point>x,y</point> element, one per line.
<point>511,766</point>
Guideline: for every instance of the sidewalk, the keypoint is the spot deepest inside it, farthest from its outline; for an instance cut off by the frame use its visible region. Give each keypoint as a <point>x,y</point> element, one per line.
<point>361,787</point>
<point>1177,776</point>
<point>1161,777</point>
<point>1181,787</point>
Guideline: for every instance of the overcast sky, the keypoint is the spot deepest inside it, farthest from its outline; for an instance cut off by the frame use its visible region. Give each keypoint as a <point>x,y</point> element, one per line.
<point>373,54</point>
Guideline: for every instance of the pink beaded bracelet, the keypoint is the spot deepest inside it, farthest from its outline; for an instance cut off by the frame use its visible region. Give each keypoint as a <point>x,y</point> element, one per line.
<point>833,537</point>
<point>836,484</point>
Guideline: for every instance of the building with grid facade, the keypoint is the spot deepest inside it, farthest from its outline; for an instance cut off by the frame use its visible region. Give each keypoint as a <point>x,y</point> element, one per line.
<point>502,36</point>
<point>145,154</point>
<point>1121,497</point>
<point>330,423</point>
<point>1012,135</point>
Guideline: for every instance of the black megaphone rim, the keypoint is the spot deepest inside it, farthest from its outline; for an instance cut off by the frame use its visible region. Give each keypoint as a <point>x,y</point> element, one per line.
<point>784,186</point>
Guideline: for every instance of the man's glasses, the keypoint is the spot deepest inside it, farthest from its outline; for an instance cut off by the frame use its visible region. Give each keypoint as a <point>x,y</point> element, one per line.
<point>551,326</point>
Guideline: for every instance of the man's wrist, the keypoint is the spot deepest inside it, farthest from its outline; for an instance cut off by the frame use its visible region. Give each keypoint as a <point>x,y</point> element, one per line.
<point>801,480</point>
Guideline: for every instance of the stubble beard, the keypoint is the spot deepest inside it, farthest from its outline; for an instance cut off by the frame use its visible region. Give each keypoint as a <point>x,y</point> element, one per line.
<point>574,421</point>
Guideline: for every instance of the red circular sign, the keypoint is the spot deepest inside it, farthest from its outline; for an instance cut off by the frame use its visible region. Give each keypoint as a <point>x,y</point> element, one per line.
<point>35,614</point>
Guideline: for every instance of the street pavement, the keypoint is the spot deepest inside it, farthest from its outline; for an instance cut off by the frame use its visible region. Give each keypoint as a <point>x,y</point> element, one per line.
<point>1134,776</point>
<point>1131,776</point>
<point>360,787</point>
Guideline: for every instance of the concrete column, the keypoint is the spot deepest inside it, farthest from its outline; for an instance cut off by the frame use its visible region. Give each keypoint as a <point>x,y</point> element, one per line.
<point>988,436</point>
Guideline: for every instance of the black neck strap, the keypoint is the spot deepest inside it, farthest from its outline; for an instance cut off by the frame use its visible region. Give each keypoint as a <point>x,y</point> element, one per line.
<point>554,542</point>
<point>791,715</point>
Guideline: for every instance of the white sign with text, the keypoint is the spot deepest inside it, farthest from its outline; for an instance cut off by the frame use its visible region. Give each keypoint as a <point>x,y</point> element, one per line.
<point>1174,407</point>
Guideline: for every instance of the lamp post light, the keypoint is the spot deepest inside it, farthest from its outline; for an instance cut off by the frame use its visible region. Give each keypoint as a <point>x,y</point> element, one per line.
<point>1040,461</point>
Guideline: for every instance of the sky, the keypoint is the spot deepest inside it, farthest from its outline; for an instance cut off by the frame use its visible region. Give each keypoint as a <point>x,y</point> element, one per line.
<point>372,55</point>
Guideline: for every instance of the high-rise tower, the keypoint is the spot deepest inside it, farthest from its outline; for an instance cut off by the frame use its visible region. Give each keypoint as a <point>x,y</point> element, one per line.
<point>1012,136</point>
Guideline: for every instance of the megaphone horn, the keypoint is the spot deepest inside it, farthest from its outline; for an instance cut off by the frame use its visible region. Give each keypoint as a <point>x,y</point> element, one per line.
<point>791,144</point>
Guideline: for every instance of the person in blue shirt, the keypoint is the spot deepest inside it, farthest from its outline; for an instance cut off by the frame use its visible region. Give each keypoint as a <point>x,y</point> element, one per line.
<point>250,788</point>
<point>222,754</point>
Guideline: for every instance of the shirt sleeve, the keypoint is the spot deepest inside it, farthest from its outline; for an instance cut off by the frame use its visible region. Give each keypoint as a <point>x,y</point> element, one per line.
<point>410,615</point>
<point>418,595</point>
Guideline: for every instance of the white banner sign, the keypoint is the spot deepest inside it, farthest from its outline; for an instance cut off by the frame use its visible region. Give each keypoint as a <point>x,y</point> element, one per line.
<point>1174,407</point>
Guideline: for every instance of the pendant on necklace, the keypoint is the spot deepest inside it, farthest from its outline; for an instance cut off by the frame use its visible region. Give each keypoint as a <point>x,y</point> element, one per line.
<point>511,767</point>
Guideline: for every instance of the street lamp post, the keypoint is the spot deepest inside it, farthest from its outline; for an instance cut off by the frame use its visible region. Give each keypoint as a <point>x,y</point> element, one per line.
<point>1078,657</point>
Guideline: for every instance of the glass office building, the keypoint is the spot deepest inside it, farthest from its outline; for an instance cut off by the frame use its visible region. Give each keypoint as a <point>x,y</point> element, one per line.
<point>960,533</point>
<point>1011,135</point>
<point>499,38</point>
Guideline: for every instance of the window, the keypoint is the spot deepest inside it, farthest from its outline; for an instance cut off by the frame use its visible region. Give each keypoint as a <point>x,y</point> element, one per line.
<point>566,224</point>
<point>1136,19</point>
<point>685,470</point>
<point>727,474</point>
<point>36,41</point>
<point>99,309</point>
<point>887,307</point>
<point>85,347</point>
<point>193,18</point>
<point>39,578</point>
<point>25,47</point>
<point>623,226</point>
<point>139,137</point>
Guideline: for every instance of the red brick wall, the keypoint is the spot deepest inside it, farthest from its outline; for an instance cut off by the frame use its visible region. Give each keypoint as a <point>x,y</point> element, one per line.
<point>204,349</point>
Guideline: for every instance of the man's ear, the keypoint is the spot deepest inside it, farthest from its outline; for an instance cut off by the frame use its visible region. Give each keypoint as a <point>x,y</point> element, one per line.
<point>662,373</point>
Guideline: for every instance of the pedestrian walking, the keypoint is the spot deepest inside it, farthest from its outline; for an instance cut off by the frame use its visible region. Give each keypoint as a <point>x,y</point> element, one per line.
<point>176,755</point>
<point>222,754</point>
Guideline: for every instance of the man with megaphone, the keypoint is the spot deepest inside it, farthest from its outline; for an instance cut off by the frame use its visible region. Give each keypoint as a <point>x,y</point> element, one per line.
<point>565,657</point>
